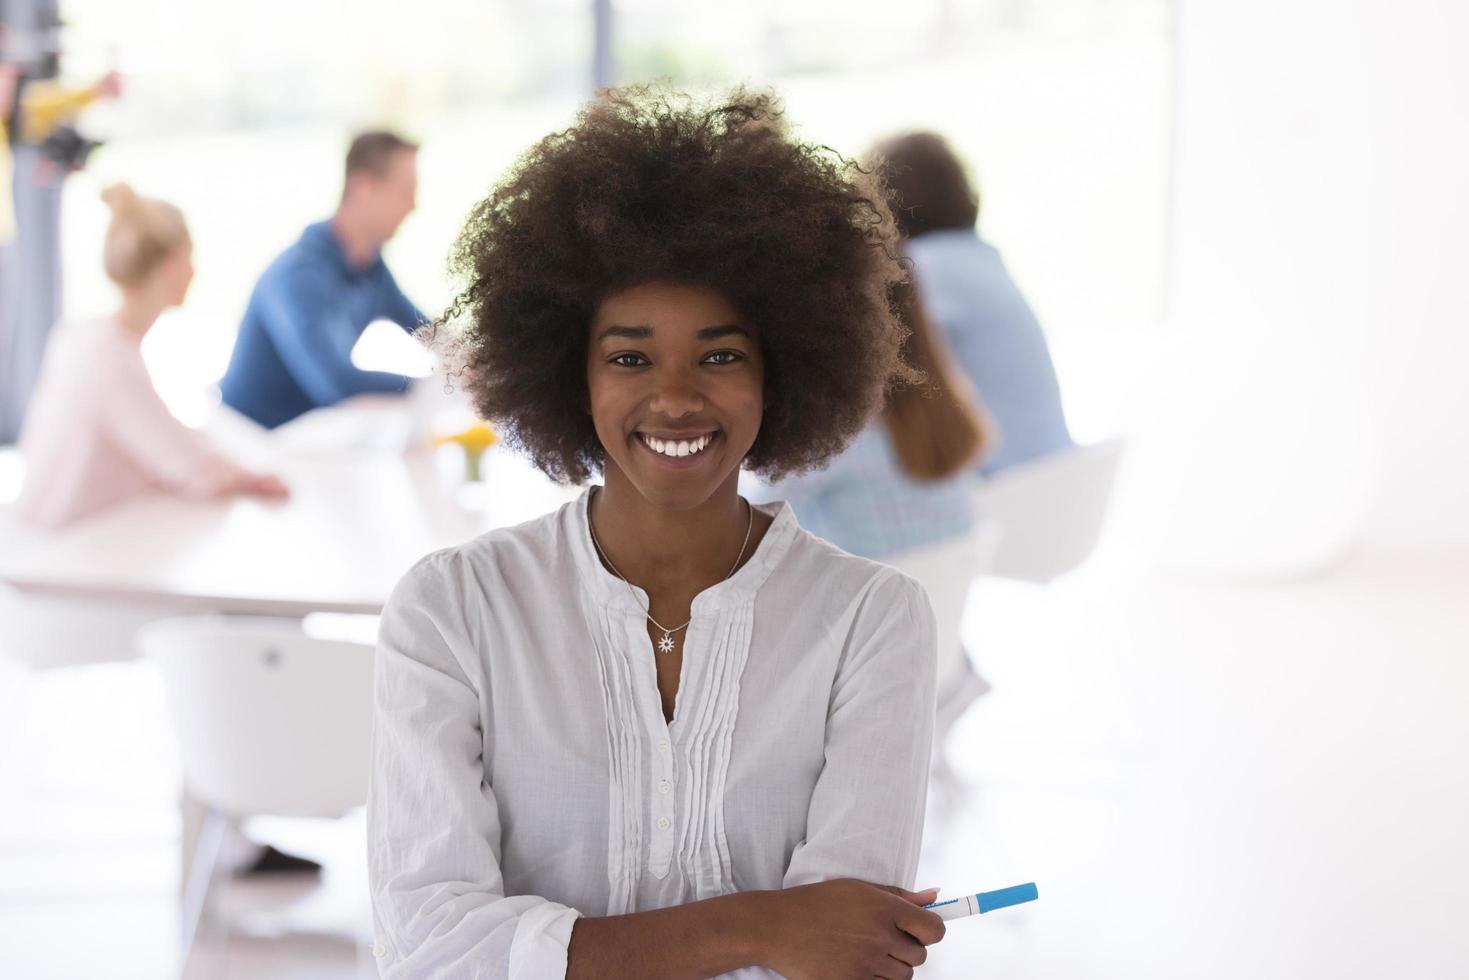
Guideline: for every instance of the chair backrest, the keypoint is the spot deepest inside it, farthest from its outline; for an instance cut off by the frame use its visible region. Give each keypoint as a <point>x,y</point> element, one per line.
<point>45,631</point>
<point>269,720</point>
<point>946,570</point>
<point>1050,510</point>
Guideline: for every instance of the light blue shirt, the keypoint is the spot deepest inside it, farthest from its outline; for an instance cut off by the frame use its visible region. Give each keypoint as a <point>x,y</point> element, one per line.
<point>865,504</point>
<point>996,340</point>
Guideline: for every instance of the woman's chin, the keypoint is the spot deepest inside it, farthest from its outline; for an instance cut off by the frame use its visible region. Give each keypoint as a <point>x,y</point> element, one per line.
<point>679,488</point>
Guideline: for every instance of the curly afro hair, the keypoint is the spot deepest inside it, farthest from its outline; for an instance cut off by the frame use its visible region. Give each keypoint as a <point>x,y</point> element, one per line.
<point>649,185</point>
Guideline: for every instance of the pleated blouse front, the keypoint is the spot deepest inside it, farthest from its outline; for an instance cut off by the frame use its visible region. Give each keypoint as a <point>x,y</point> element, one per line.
<point>523,773</point>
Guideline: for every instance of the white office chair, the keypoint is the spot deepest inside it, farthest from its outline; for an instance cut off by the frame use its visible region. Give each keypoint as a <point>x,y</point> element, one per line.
<point>269,721</point>
<point>1050,510</point>
<point>946,570</point>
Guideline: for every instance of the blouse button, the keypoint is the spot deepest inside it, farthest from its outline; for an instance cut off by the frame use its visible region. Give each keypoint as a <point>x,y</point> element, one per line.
<point>663,823</point>
<point>663,745</point>
<point>664,786</point>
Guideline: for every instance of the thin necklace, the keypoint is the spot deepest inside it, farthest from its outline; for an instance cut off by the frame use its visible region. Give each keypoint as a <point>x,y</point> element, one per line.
<point>665,644</point>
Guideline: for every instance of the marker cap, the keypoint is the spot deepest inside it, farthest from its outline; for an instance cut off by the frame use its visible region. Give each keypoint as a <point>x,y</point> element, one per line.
<point>1005,897</point>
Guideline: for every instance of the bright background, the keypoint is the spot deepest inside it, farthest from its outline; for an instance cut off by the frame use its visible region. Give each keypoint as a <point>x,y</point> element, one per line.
<point>1234,744</point>
<point>241,113</point>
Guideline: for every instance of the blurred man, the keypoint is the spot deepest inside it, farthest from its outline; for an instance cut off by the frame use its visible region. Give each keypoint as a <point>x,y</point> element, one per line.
<point>294,349</point>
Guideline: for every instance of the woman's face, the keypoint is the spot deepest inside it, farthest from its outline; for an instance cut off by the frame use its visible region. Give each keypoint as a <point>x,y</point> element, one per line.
<point>676,386</point>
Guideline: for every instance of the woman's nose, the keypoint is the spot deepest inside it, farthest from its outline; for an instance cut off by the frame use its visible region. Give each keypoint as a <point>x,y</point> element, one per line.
<point>676,397</point>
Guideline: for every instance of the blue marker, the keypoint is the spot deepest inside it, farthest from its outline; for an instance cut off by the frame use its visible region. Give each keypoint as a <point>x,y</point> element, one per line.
<point>957,908</point>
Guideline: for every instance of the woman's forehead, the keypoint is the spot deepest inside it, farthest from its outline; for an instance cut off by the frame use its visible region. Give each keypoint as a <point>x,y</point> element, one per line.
<point>649,310</point>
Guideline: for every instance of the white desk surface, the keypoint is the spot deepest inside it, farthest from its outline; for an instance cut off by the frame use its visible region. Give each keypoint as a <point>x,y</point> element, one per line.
<point>353,525</point>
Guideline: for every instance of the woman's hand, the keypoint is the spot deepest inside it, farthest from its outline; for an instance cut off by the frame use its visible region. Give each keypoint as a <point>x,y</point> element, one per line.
<point>835,930</point>
<point>262,485</point>
<point>109,86</point>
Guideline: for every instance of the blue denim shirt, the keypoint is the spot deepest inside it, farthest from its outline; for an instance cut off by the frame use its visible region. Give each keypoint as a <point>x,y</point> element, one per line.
<point>294,349</point>
<point>866,505</point>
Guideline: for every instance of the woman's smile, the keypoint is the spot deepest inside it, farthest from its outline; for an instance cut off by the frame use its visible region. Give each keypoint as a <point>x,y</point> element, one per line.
<point>679,451</point>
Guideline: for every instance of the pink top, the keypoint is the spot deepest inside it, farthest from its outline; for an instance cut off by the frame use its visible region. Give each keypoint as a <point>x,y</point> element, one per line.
<point>96,432</point>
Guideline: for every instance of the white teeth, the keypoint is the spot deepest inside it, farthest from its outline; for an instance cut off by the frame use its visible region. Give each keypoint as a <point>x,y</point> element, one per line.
<point>677,448</point>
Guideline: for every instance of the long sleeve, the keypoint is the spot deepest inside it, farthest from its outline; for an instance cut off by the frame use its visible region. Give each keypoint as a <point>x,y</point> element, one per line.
<point>315,341</point>
<point>47,104</point>
<point>434,851</point>
<point>141,426</point>
<point>398,307</point>
<point>866,813</point>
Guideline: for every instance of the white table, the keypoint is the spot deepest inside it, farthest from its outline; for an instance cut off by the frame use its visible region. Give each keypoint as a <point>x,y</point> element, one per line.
<point>353,525</point>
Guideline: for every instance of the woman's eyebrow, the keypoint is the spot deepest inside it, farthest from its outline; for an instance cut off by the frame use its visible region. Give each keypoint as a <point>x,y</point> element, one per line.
<point>713,333</point>
<point>704,333</point>
<point>636,333</point>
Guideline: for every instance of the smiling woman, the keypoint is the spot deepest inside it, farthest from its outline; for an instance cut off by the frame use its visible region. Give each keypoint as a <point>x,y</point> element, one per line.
<point>649,187</point>
<point>661,732</point>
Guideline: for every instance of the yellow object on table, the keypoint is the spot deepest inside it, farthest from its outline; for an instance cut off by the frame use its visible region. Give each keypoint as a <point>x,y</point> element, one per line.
<point>474,441</point>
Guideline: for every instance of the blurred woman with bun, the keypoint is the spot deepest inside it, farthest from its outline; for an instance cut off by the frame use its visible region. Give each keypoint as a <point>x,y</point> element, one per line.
<point>97,433</point>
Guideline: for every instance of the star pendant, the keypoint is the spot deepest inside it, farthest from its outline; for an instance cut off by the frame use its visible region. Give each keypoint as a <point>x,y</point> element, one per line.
<point>665,645</point>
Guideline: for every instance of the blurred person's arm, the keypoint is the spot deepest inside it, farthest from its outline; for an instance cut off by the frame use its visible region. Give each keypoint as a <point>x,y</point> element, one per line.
<point>47,104</point>
<point>398,307</point>
<point>177,458</point>
<point>315,340</point>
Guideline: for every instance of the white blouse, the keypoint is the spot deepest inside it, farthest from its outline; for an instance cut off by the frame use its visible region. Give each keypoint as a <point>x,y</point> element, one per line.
<point>523,773</point>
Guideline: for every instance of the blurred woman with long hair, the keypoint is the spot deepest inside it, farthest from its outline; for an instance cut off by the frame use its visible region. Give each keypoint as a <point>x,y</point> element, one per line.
<point>996,340</point>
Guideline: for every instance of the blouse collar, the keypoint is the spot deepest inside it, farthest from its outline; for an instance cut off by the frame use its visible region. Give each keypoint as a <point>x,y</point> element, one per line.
<point>740,586</point>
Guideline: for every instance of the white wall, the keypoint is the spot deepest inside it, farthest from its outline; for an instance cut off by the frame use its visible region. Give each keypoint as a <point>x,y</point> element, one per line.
<point>1419,303</point>
<point>1310,390</point>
